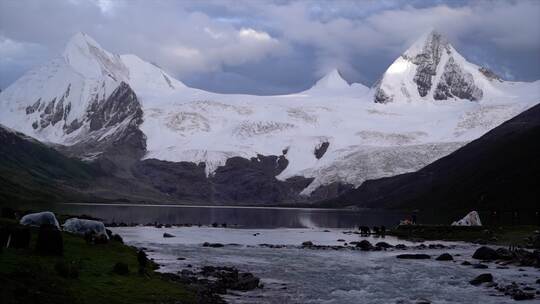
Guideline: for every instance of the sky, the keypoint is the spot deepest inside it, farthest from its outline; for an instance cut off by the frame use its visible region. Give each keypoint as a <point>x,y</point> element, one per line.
<point>271,47</point>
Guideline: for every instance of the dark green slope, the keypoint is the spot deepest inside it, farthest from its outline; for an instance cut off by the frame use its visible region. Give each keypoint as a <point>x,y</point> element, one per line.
<point>498,171</point>
<point>33,172</point>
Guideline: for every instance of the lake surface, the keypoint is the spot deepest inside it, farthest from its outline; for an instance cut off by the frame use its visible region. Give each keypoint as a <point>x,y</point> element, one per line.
<point>233,216</point>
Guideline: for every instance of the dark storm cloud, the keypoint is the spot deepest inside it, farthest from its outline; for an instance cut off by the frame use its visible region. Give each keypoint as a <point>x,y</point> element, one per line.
<point>271,46</point>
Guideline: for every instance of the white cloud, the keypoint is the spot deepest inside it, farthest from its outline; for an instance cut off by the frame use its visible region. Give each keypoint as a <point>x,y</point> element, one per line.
<point>359,37</point>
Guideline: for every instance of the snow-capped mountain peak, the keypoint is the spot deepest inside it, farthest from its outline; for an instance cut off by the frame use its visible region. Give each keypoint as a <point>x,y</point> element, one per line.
<point>88,58</point>
<point>332,80</point>
<point>431,69</point>
<point>92,101</point>
<point>431,43</point>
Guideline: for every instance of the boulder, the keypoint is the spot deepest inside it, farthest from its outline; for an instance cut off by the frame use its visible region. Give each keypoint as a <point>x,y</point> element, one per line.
<point>471,219</point>
<point>246,281</point>
<point>445,257</point>
<point>384,245</point>
<point>307,244</point>
<point>117,238</point>
<point>142,258</point>
<point>504,254</point>
<point>483,278</point>
<point>168,235</point>
<point>413,256</point>
<point>520,295</point>
<point>364,245</point>
<point>401,246</point>
<point>82,227</point>
<point>49,241</point>
<point>485,253</point>
<point>479,266</point>
<point>40,218</point>
<point>213,245</point>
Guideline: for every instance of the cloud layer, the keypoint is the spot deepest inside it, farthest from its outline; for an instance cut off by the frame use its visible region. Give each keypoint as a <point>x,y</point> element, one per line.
<point>268,47</point>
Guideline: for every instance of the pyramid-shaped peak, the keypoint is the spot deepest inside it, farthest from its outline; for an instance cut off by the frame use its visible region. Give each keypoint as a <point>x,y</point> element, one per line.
<point>87,57</point>
<point>429,42</point>
<point>82,40</point>
<point>332,80</point>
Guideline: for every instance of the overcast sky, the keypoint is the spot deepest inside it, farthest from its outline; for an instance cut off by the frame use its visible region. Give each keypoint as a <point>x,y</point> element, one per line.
<point>269,47</point>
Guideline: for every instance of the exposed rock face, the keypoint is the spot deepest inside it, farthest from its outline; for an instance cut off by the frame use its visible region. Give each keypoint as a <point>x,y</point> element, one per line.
<point>431,69</point>
<point>240,180</point>
<point>490,74</point>
<point>381,97</point>
<point>254,180</point>
<point>182,180</point>
<point>114,132</point>
<point>456,83</point>
<point>320,150</point>
<point>119,106</point>
<point>428,60</point>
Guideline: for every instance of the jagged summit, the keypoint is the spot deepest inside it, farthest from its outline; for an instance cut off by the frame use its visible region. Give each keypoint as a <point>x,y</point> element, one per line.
<point>431,69</point>
<point>88,58</point>
<point>431,42</point>
<point>332,80</point>
<point>95,104</point>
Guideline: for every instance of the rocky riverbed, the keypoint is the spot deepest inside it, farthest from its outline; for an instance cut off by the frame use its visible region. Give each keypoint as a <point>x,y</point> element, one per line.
<point>337,266</point>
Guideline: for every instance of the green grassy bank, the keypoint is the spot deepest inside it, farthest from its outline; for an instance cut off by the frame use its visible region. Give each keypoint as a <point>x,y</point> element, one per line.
<point>27,277</point>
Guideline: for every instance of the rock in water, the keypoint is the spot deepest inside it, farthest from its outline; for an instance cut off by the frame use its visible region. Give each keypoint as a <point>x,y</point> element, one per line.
<point>168,235</point>
<point>40,218</point>
<point>485,253</point>
<point>412,256</point>
<point>445,257</point>
<point>49,241</point>
<point>504,254</point>
<point>364,245</point>
<point>471,219</point>
<point>483,278</point>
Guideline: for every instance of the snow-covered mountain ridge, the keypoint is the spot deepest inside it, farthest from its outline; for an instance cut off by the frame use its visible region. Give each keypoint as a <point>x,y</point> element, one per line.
<point>428,103</point>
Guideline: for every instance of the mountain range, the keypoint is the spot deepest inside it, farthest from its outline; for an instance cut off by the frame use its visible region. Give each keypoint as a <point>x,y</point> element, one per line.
<point>152,138</point>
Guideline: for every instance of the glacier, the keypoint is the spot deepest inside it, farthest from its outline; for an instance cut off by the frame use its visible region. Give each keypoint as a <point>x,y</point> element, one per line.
<point>428,103</point>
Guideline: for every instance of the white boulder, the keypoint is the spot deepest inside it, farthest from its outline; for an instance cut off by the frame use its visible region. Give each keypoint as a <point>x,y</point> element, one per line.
<point>80,226</point>
<point>40,218</point>
<point>471,219</point>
